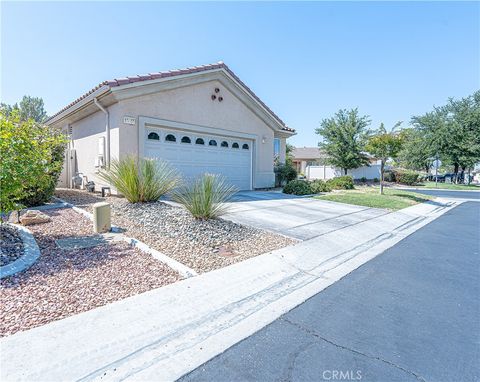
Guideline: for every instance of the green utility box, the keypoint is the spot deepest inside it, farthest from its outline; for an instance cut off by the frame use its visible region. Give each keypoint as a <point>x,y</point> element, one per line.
<point>101,217</point>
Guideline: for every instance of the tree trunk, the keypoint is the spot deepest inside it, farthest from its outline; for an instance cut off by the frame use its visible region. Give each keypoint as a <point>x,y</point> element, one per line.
<point>382,169</point>
<point>345,170</point>
<point>456,172</point>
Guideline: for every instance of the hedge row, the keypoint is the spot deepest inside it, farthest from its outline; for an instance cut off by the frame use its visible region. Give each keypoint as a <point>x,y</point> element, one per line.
<point>304,187</point>
<point>408,178</point>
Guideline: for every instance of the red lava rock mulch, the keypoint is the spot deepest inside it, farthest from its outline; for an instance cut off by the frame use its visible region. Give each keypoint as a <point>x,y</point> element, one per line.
<point>63,283</point>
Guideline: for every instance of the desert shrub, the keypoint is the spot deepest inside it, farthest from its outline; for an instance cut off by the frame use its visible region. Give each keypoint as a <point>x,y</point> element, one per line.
<point>363,179</point>
<point>389,176</point>
<point>140,180</point>
<point>31,160</point>
<point>319,186</point>
<point>205,198</point>
<point>285,173</point>
<point>298,187</point>
<point>409,178</point>
<point>341,183</point>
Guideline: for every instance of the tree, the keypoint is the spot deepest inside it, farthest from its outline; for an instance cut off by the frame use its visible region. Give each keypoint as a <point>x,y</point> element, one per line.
<point>385,145</point>
<point>344,137</point>
<point>453,131</point>
<point>29,108</point>
<point>417,152</point>
<point>289,154</point>
<point>31,158</point>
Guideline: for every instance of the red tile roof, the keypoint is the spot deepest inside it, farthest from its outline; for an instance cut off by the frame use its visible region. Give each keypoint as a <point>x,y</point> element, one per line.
<point>173,73</point>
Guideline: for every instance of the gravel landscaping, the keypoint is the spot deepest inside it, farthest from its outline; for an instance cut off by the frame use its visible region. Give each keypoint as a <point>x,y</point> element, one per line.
<point>11,245</point>
<point>62,283</point>
<point>200,245</point>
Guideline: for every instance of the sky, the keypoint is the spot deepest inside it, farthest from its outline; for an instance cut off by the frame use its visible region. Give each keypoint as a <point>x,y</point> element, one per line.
<point>305,60</point>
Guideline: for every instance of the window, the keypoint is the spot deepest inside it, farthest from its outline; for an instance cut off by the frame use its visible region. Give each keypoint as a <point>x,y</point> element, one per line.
<point>224,144</point>
<point>186,139</point>
<point>170,138</point>
<point>235,145</point>
<point>199,141</point>
<point>245,146</point>
<point>276,147</point>
<point>212,142</point>
<point>154,136</point>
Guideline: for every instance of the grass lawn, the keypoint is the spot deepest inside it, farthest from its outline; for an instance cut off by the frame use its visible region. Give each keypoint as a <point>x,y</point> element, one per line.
<point>392,199</point>
<point>450,186</point>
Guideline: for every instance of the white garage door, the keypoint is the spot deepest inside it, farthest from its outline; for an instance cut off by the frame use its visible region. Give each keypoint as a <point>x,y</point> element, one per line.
<point>194,154</point>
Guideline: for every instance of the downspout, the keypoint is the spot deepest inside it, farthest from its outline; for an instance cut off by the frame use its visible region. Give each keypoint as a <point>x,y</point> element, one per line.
<point>107,132</point>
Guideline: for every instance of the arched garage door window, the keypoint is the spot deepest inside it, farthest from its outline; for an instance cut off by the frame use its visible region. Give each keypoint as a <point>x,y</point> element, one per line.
<point>170,138</point>
<point>153,136</point>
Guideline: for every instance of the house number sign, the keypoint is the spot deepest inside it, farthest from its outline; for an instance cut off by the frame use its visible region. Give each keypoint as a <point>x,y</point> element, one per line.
<point>129,120</point>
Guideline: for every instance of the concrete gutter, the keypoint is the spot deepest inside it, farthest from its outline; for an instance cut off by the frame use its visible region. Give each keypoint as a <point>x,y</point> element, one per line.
<point>167,332</point>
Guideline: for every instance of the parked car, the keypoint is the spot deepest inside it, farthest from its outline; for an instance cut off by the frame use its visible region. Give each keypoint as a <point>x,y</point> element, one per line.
<point>440,178</point>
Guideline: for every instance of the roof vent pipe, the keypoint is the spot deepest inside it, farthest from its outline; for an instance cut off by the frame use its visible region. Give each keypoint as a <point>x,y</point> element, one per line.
<point>107,131</point>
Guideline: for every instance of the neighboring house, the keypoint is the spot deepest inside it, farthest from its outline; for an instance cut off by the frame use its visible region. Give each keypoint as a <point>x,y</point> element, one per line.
<point>201,119</point>
<point>307,156</point>
<point>312,163</point>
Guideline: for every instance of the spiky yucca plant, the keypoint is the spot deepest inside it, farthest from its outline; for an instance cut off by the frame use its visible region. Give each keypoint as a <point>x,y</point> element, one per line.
<point>141,180</point>
<point>205,198</point>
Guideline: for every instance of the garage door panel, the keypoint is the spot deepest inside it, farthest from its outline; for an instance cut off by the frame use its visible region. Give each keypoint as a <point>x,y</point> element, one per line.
<point>192,160</point>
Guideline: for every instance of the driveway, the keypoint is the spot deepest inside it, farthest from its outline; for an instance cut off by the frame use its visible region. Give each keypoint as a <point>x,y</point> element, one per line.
<point>297,217</point>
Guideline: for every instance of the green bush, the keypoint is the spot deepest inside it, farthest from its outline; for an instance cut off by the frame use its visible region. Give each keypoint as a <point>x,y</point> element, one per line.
<point>389,176</point>
<point>144,180</point>
<point>363,179</point>
<point>408,178</point>
<point>376,180</point>
<point>319,185</point>
<point>285,173</point>
<point>341,183</point>
<point>31,160</point>
<point>298,187</point>
<point>205,198</point>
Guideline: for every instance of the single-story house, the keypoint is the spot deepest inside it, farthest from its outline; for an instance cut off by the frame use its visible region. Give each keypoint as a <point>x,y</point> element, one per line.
<point>200,119</point>
<point>311,162</point>
<point>307,156</point>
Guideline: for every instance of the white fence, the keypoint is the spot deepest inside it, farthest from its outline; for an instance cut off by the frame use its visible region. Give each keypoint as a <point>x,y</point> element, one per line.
<point>329,172</point>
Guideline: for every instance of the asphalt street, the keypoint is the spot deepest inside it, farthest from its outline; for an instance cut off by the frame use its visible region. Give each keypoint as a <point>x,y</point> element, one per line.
<point>410,314</point>
<point>450,194</point>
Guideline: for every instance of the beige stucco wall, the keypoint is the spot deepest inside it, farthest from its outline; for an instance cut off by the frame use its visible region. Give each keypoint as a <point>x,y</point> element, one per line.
<point>193,105</point>
<point>85,137</point>
<point>190,104</point>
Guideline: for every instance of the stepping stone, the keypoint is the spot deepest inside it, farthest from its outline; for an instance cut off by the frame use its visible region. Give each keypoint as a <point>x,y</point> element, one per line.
<point>72,243</point>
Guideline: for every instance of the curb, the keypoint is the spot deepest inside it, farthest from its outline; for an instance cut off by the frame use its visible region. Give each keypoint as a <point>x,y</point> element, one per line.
<point>30,255</point>
<point>174,264</point>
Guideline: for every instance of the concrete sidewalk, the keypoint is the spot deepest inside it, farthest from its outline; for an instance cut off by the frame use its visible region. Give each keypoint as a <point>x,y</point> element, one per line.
<point>165,333</point>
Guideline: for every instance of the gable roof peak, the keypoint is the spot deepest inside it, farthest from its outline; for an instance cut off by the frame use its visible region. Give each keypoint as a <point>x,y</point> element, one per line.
<point>173,73</point>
